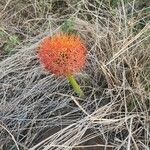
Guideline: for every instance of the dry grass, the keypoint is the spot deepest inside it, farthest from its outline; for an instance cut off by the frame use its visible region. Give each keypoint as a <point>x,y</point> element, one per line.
<point>41,112</point>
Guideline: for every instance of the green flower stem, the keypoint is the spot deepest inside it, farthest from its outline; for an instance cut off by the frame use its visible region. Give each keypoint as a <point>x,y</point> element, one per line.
<point>75,85</point>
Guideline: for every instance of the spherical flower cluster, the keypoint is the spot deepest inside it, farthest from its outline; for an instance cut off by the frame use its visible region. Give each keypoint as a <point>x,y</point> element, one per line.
<point>62,54</point>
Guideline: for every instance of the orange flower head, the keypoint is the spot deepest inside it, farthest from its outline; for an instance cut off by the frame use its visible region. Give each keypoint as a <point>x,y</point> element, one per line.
<point>63,54</point>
